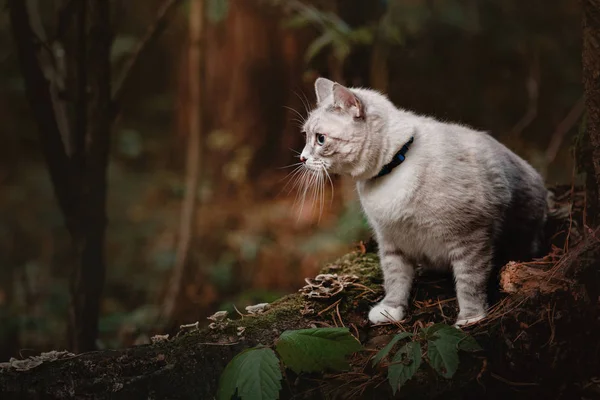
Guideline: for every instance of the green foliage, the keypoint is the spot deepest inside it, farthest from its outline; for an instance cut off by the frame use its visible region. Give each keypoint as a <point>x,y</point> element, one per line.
<point>404,365</point>
<point>130,143</point>
<point>254,374</point>
<point>386,350</point>
<point>458,338</point>
<point>123,46</point>
<point>319,349</point>
<point>443,344</point>
<point>335,32</point>
<point>443,356</point>
<point>217,10</point>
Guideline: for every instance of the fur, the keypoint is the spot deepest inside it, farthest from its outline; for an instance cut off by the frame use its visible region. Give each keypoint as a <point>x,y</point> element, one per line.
<point>460,200</point>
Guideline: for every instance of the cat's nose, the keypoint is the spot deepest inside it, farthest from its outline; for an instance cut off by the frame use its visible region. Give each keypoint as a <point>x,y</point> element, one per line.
<point>303,159</point>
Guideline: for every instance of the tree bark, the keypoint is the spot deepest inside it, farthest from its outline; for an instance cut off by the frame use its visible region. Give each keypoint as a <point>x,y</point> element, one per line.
<point>250,78</point>
<point>591,81</point>
<point>40,100</point>
<point>193,157</point>
<point>89,273</point>
<point>78,177</point>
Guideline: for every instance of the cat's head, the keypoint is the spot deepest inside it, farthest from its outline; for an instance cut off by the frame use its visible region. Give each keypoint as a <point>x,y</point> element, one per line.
<point>340,128</point>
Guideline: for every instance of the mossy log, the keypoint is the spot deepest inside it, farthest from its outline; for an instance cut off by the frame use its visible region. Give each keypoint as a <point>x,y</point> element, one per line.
<point>539,340</point>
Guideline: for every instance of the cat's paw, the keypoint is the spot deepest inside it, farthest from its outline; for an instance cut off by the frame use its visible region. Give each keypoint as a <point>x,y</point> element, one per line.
<point>463,321</point>
<point>382,314</point>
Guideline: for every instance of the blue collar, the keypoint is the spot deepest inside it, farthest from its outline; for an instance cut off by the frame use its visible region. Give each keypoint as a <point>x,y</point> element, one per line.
<point>398,159</point>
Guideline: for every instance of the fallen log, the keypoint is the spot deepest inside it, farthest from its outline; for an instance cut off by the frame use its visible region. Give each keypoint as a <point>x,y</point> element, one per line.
<point>541,339</point>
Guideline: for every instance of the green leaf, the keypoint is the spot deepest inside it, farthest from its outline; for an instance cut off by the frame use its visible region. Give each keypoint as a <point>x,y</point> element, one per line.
<point>254,373</point>
<point>468,343</point>
<point>362,35</point>
<point>404,365</point>
<point>443,356</point>
<point>462,340</point>
<point>312,350</point>
<point>217,10</point>
<point>431,330</point>
<point>317,45</point>
<point>385,351</point>
<point>298,21</point>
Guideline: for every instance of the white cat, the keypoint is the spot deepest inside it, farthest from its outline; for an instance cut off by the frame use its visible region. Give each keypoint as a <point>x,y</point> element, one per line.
<point>437,194</point>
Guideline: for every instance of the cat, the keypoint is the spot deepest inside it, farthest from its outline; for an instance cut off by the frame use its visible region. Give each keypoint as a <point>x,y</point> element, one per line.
<point>437,194</point>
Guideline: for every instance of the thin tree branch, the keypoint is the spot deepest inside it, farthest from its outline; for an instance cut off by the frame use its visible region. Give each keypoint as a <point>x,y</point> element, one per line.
<point>51,62</point>
<point>563,128</point>
<point>152,33</point>
<point>81,104</point>
<point>194,153</point>
<point>39,96</point>
<point>65,14</point>
<point>532,84</point>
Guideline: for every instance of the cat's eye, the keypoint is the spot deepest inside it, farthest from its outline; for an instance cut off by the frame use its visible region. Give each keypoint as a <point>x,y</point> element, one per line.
<point>320,139</point>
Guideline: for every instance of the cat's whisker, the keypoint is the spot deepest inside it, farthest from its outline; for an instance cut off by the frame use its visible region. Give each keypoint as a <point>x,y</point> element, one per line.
<point>313,190</point>
<point>316,190</point>
<point>299,123</point>
<point>305,189</point>
<point>290,166</point>
<point>322,188</point>
<point>292,178</point>
<point>304,101</point>
<point>300,185</point>
<point>291,174</point>
<point>301,119</point>
<point>331,183</point>
<point>299,180</point>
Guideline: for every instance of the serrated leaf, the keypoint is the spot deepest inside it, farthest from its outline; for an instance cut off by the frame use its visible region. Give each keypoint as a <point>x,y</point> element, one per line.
<point>462,340</point>
<point>443,356</point>
<point>404,365</point>
<point>312,350</point>
<point>254,373</point>
<point>431,330</point>
<point>217,10</point>
<point>386,350</point>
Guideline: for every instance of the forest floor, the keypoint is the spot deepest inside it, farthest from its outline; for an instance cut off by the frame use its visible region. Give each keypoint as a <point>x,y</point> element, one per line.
<point>540,339</point>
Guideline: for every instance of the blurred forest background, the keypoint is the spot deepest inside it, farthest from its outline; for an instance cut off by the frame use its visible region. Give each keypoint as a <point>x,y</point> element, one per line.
<point>206,111</point>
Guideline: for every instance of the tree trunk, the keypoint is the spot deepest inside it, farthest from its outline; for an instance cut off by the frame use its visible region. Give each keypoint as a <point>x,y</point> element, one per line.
<point>78,175</point>
<point>88,279</point>
<point>195,110</point>
<point>591,81</point>
<point>253,69</point>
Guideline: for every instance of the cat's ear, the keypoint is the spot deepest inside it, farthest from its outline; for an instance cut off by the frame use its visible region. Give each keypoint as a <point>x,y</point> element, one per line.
<point>323,88</point>
<point>347,101</point>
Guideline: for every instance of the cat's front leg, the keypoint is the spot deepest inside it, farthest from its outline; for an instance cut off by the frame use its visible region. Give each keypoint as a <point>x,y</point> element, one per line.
<point>398,275</point>
<point>471,273</point>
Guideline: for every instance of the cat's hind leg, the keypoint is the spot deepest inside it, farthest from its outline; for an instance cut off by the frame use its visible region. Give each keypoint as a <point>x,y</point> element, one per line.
<point>471,274</point>
<point>398,273</point>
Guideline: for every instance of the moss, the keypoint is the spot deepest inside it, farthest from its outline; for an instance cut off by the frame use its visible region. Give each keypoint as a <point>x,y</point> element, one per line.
<point>366,266</point>
<point>286,313</point>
